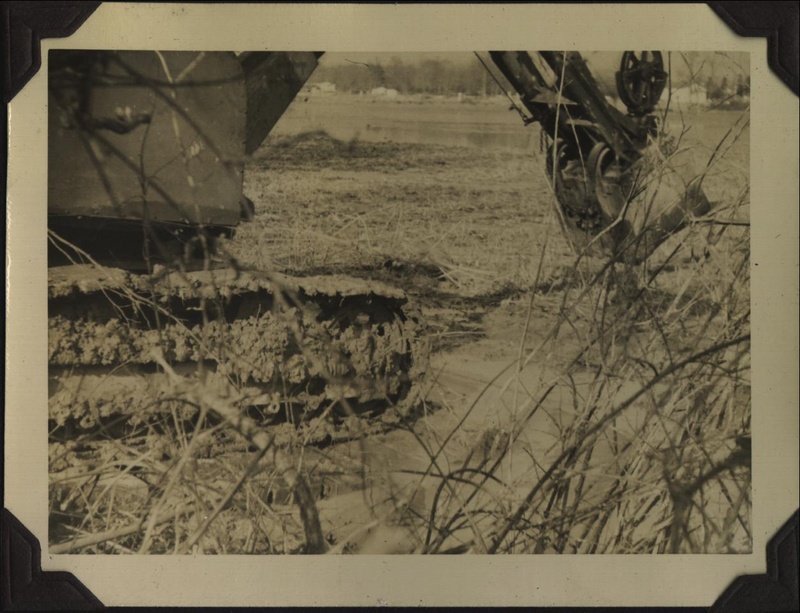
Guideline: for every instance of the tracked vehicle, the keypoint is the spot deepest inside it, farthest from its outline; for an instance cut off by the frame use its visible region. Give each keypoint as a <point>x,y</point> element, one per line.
<point>146,154</point>
<point>146,159</point>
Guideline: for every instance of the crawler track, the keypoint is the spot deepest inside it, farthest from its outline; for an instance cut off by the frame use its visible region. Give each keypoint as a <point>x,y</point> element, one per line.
<point>314,351</point>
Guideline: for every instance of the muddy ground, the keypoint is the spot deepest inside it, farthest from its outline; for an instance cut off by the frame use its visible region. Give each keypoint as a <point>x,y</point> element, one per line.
<point>449,202</point>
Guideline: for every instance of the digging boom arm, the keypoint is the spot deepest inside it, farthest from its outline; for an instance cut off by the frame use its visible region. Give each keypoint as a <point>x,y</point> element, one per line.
<point>617,188</point>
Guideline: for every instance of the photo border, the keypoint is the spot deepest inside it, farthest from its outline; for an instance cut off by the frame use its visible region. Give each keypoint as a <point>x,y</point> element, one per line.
<point>59,19</point>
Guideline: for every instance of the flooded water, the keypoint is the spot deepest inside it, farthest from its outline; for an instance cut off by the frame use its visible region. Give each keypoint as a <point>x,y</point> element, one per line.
<point>488,123</point>
<point>435,122</point>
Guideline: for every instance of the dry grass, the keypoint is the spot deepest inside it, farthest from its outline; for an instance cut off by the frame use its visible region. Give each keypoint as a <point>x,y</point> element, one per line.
<point>618,421</point>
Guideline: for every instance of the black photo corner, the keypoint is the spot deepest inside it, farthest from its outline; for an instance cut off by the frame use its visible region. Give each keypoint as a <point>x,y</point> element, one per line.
<point>26,586</point>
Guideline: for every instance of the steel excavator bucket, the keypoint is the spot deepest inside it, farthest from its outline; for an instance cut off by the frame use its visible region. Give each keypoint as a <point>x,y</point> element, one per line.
<point>273,81</point>
<point>158,138</point>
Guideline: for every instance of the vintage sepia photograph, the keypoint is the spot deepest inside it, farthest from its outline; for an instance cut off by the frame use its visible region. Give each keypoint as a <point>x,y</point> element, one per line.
<point>490,302</point>
<point>301,297</point>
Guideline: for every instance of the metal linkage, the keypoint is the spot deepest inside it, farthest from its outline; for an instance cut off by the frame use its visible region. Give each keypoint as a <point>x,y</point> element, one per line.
<point>591,143</point>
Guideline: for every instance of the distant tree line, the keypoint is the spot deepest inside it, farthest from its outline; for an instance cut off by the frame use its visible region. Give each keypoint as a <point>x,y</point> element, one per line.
<point>444,77</point>
<point>428,76</point>
<point>725,88</point>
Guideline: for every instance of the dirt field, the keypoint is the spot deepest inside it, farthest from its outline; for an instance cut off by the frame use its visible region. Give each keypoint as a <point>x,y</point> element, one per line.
<point>457,212</point>
<point>461,228</point>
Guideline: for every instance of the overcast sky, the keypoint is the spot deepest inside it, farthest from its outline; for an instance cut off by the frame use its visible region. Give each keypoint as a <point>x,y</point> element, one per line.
<point>342,57</point>
<point>716,64</point>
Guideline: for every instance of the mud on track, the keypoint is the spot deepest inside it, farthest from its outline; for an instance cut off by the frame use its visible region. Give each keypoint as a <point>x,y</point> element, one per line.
<point>303,340</point>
